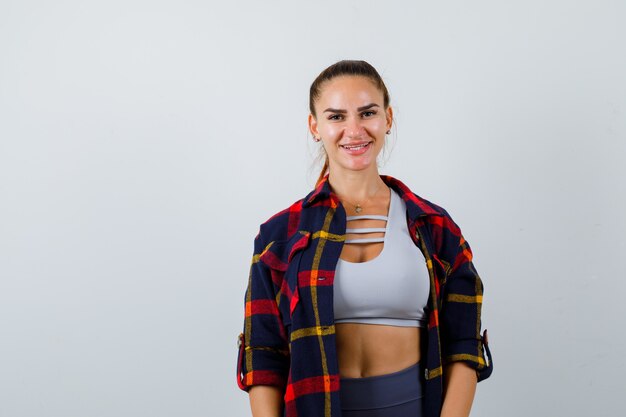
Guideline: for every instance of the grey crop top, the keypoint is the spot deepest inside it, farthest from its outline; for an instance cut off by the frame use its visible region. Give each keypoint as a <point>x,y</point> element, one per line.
<point>390,289</point>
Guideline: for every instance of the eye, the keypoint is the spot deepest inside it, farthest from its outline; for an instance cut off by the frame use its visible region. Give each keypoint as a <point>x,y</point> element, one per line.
<point>368,113</point>
<point>334,117</point>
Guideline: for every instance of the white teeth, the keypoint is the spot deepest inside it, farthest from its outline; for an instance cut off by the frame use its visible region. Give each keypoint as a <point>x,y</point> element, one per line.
<point>355,147</point>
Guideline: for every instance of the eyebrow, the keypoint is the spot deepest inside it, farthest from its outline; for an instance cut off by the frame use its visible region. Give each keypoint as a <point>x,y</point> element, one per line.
<point>369,106</point>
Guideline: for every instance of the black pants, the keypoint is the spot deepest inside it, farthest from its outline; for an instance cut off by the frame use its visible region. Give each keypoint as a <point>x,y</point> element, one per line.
<point>398,394</point>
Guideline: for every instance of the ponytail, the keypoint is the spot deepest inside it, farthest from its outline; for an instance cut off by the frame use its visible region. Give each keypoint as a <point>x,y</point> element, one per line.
<point>323,171</point>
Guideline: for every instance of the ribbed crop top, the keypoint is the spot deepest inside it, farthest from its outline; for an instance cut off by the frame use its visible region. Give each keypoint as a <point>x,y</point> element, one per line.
<point>390,289</point>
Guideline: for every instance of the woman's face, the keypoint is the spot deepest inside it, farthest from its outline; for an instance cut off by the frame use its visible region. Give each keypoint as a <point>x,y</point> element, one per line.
<point>352,123</point>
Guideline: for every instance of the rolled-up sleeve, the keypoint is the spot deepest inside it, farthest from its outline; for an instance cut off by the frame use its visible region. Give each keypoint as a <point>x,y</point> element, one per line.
<point>263,357</point>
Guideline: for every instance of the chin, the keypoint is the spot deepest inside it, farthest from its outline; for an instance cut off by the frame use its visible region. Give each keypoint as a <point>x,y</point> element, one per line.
<point>359,167</point>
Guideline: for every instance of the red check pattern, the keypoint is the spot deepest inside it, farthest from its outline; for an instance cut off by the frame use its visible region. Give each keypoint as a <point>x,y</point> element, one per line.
<point>288,338</point>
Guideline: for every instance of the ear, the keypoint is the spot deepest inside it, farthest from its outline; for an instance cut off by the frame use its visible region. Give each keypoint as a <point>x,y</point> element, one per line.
<point>313,125</point>
<point>389,117</point>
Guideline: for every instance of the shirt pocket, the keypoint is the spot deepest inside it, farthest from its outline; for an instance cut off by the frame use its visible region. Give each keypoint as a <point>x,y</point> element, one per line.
<point>296,250</point>
<point>442,269</point>
<point>284,259</point>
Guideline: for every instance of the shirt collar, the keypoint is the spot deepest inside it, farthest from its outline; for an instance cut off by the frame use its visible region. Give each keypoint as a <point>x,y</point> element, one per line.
<point>416,205</point>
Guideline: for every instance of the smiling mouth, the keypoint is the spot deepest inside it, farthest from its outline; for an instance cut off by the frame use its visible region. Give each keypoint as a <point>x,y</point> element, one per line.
<point>356,147</point>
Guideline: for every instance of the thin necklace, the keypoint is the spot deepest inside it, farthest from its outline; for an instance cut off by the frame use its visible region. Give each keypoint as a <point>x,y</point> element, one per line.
<point>358,207</point>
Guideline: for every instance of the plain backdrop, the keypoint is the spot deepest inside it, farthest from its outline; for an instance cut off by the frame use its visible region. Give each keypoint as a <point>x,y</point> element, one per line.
<point>143,142</point>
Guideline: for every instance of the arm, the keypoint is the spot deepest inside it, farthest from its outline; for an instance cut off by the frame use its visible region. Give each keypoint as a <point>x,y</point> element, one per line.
<point>464,361</point>
<point>461,304</point>
<point>266,401</point>
<point>459,389</point>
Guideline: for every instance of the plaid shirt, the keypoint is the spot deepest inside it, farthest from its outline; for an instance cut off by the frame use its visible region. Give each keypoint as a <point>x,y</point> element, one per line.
<point>289,334</point>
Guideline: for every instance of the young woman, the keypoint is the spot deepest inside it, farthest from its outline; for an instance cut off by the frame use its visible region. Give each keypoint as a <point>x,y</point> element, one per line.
<point>362,299</point>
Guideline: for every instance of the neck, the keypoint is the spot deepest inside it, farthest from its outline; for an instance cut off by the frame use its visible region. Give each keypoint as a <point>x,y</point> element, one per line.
<point>356,186</point>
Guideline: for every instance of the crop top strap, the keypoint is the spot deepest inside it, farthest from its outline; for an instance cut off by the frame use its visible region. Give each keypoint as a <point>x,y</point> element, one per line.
<point>367,216</point>
<point>367,230</point>
<point>358,230</point>
<point>366,240</point>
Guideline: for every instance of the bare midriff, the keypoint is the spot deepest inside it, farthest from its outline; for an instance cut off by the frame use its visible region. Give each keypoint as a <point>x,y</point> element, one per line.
<point>372,349</point>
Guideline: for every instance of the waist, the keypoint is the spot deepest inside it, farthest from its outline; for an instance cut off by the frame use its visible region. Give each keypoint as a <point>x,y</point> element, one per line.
<point>382,391</point>
<point>365,350</point>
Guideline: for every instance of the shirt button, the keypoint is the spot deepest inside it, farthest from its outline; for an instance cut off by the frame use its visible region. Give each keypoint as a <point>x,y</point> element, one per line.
<point>426,373</point>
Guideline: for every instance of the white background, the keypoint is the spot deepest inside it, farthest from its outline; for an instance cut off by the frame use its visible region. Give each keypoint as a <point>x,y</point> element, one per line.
<point>142,143</point>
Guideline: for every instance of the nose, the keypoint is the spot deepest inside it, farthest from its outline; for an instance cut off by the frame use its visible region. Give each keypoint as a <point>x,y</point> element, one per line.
<point>354,128</point>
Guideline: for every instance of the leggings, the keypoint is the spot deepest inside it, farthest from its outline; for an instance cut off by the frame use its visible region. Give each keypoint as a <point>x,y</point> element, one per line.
<point>398,394</point>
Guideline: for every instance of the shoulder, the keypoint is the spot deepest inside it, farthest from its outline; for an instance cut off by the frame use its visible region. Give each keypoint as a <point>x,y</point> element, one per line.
<point>279,237</point>
<point>428,205</point>
<point>439,214</point>
<point>281,225</point>
<point>441,220</point>
<point>417,205</point>
<point>424,210</point>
